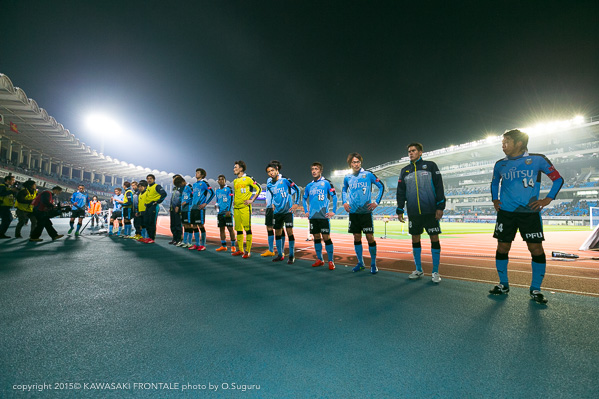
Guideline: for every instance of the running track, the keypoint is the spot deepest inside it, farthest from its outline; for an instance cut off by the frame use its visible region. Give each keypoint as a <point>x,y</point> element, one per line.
<point>468,257</point>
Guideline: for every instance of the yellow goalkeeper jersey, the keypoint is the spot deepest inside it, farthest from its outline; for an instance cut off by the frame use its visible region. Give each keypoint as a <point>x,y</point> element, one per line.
<point>243,190</point>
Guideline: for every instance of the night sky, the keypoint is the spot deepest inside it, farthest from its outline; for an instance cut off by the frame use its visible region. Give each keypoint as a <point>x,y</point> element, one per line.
<point>205,84</point>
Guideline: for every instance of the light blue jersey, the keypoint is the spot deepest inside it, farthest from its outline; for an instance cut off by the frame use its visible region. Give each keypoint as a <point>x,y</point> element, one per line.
<point>520,179</point>
<point>357,191</point>
<point>117,205</point>
<point>224,200</point>
<point>318,192</point>
<point>186,198</point>
<point>282,191</point>
<point>267,194</point>
<point>79,200</point>
<point>202,193</point>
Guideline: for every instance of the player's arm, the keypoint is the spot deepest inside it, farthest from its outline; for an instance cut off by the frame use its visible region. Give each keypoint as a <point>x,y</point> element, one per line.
<point>295,192</point>
<point>558,181</point>
<point>495,187</point>
<point>257,192</point>
<point>231,195</point>
<point>305,199</point>
<point>162,193</point>
<point>345,194</point>
<point>375,180</point>
<point>400,196</point>
<point>439,191</point>
<point>333,195</point>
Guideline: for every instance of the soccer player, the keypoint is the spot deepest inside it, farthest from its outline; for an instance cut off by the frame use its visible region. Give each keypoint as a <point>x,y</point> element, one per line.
<point>420,185</point>
<point>186,198</point>
<point>319,193</point>
<point>127,208</point>
<point>283,190</point>
<point>224,201</point>
<point>155,194</point>
<point>79,204</point>
<point>174,212</point>
<point>269,218</point>
<point>518,207</point>
<point>117,213</point>
<point>202,195</point>
<point>243,187</point>
<point>356,197</point>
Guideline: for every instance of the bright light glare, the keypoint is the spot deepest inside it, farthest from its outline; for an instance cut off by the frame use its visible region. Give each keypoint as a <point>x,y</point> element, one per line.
<point>552,126</point>
<point>102,124</point>
<point>491,138</point>
<point>342,172</point>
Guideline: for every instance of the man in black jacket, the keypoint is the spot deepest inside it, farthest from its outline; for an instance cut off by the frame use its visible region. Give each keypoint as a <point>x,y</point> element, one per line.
<point>7,200</point>
<point>420,185</point>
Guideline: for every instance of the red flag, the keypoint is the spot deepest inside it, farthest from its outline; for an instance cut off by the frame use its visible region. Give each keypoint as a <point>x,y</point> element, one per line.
<point>13,127</point>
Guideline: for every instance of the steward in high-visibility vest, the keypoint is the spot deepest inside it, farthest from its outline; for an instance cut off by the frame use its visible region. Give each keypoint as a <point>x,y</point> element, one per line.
<point>24,207</point>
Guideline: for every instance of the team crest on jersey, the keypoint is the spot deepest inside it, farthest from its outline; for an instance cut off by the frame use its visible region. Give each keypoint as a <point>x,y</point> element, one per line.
<point>363,176</point>
<point>528,161</point>
<point>424,166</point>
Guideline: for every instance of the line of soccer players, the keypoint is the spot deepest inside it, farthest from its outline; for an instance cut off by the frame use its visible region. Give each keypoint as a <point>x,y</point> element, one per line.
<point>515,189</point>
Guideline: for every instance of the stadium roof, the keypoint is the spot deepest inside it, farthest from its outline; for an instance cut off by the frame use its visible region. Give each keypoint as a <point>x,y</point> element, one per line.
<point>42,134</point>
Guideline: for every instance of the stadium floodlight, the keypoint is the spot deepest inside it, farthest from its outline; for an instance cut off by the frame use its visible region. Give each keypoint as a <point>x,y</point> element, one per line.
<point>342,172</point>
<point>104,126</point>
<point>552,126</point>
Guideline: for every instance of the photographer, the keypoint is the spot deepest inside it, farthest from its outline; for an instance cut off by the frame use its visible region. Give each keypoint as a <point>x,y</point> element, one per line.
<point>25,197</point>
<point>7,200</point>
<point>44,209</point>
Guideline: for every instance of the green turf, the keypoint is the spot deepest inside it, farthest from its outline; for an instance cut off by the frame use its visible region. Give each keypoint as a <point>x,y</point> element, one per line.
<point>394,227</point>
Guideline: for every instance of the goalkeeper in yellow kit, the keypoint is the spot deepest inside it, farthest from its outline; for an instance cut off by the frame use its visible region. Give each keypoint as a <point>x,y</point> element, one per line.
<point>243,197</point>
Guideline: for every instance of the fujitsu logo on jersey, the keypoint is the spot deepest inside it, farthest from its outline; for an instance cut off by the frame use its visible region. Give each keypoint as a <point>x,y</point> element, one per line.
<point>359,184</point>
<point>517,174</point>
<point>317,191</point>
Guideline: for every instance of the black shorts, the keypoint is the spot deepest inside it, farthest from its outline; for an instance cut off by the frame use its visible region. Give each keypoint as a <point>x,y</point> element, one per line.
<point>77,213</point>
<point>116,215</point>
<point>529,224</point>
<point>269,217</point>
<point>127,213</point>
<point>224,220</point>
<point>197,216</point>
<point>318,226</point>
<point>360,222</point>
<point>186,217</point>
<point>286,218</point>
<point>418,223</point>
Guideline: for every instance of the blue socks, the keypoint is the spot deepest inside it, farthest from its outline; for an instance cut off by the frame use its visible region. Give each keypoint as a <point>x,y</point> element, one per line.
<point>196,237</point>
<point>417,253</point>
<point>539,263</point>
<point>291,245</point>
<point>436,251</point>
<point>329,248</point>
<point>318,248</point>
<point>279,242</point>
<point>359,250</point>
<point>372,250</point>
<point>203,241</point>
<point>271,240</point>
<point>501,261</point>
